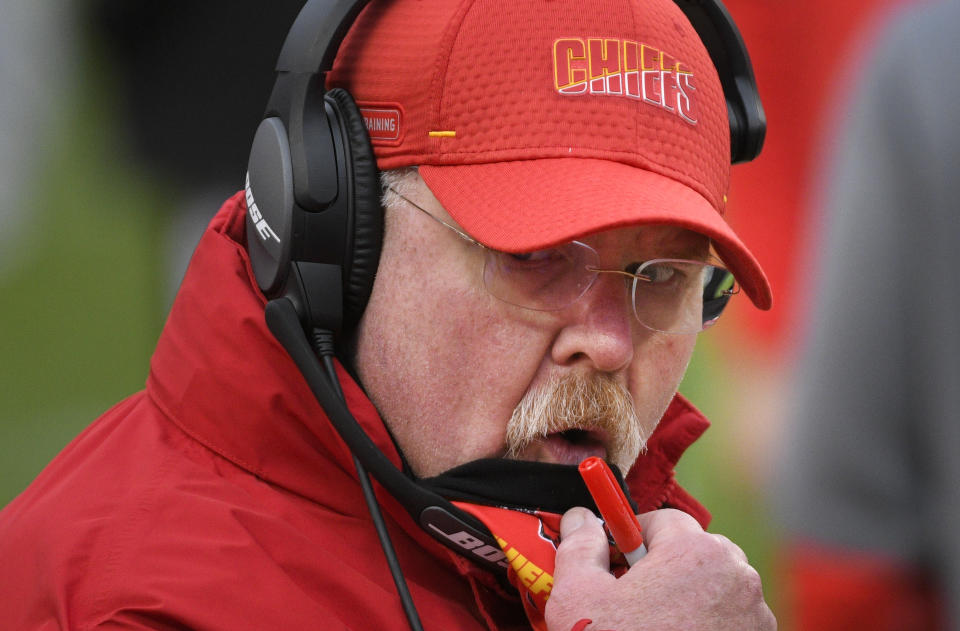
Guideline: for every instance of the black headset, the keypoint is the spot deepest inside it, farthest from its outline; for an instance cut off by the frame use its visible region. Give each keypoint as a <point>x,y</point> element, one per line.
<point>314,233</point>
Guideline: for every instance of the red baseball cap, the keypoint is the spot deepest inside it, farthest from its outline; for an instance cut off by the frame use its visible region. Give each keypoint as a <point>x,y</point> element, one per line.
<point>535,123</point>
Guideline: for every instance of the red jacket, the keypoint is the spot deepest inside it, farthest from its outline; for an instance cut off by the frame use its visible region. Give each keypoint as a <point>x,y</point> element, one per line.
<point>221,498</point>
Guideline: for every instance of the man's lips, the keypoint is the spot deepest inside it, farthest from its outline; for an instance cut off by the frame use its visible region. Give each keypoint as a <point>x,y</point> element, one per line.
<point>568,447</point>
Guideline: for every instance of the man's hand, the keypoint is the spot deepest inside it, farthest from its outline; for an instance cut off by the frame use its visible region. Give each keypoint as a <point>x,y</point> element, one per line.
<point>690,580</point>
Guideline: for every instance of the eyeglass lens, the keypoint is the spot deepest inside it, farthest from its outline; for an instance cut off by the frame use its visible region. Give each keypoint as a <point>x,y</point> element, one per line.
<point>678,296</point>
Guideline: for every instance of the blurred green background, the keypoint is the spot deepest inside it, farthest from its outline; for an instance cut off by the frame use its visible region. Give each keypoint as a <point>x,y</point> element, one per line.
<point>83,296</point>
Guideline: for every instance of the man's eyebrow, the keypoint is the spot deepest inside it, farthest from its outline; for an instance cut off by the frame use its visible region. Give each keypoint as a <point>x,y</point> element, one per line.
<point>675,244</point>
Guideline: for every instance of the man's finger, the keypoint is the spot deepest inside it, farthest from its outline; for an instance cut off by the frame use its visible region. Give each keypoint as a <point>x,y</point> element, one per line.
<point>583,544</point>
<point>665,521</point>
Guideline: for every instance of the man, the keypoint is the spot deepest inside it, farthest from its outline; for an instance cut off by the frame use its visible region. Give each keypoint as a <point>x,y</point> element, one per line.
<point>549,223</point>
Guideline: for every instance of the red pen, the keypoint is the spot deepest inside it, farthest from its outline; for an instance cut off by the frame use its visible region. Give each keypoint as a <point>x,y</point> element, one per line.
<point>614,507</point>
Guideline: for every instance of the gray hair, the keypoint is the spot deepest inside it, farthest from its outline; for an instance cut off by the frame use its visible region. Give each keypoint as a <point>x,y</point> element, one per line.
<point>399,180</point>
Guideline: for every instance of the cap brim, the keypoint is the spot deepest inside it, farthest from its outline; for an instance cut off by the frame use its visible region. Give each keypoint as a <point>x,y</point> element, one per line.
<point>533,204</point>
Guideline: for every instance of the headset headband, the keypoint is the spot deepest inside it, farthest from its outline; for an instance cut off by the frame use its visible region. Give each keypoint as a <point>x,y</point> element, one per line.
<point>722,39</point>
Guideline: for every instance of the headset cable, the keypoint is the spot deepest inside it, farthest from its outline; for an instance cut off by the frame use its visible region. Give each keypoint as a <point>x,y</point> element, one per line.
<point>323,345</point>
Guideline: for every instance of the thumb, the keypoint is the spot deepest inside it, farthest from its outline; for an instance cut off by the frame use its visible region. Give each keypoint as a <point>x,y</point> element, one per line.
<point>583,544</point>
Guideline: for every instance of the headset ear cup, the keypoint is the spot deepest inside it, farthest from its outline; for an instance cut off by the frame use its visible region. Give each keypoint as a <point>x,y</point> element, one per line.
<point>270,202</point>
<point>362,255</point>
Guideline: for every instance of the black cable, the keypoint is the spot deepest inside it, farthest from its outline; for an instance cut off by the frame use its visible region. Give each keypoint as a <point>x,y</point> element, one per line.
<point>323,345</point>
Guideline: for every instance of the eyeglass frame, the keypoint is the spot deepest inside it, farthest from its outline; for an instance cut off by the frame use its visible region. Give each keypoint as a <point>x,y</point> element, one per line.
<point>596,270</point>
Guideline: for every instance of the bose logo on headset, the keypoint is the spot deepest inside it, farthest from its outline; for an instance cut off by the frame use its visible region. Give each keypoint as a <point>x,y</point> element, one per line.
<point>263,228</point>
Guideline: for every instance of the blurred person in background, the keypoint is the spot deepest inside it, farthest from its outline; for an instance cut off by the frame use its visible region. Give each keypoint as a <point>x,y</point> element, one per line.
<point>868,490</point>
<point>178,66</point>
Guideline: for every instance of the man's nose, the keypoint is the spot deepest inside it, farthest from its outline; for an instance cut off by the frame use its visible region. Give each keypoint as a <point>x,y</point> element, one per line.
<point>599,328</point>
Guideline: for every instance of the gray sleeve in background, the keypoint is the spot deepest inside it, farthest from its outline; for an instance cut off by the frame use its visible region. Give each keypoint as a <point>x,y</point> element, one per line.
<point>870,455</point>
<point>36,72</point>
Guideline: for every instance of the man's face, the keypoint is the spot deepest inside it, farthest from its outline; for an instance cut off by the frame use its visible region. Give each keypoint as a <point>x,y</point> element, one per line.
<point>447,364</point>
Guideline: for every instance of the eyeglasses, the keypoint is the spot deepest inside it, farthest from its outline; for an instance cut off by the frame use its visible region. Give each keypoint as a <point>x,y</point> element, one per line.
<point>677,296</point>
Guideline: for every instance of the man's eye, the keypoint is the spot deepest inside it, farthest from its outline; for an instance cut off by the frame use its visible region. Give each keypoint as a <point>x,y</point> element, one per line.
<point>659,274</point>
<point>538,256</point>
